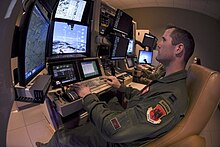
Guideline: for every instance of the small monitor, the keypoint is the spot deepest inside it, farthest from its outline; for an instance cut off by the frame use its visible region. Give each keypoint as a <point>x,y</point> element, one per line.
<point>130,62</point>
<point>122,22</point>
<point>32,56</point>
<point>89,69</point>
<point>118,48</point>
<point>130,49</point>
<point>149,41</point>
<point>145,57</point>
<point>69,38</point>
<point>63,72</point>
<point>71,9</point>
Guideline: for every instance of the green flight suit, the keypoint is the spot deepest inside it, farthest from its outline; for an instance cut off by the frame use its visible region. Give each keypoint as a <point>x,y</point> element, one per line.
<point>150,113</point>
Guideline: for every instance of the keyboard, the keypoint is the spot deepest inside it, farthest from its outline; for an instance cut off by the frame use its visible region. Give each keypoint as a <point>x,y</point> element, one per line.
<point>96,85</point>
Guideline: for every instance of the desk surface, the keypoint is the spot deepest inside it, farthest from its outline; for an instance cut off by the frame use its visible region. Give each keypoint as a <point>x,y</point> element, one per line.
<point>66,108</point>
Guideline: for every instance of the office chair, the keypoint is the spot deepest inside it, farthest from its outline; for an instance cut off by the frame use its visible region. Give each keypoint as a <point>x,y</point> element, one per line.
<point>204,93</point>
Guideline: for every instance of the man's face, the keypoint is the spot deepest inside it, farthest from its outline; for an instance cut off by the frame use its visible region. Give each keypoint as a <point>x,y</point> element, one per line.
<point>165,48</point>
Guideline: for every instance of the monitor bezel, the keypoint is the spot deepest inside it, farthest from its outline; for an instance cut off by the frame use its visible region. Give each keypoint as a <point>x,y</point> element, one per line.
<point>81,70</point>
<point>22,44</point>
<point>51,72</point>
<point>144,62</point>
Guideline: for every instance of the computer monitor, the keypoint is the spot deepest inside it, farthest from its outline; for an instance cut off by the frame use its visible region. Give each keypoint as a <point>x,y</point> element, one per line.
<point>130,49</point>
<point>49,4</point>
<point>69,38</point>
<point>89,69</point>
<point>149,41</point>
<point>31,56</point>
<point>63,72</point>
<point>145,57</point>
<point>119,47</point>
<point>71,9</point>
<point>130,62</point>
<point>122,22</point>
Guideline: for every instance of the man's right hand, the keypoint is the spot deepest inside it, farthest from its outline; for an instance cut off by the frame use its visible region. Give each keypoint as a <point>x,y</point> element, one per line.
<point>112,80</point>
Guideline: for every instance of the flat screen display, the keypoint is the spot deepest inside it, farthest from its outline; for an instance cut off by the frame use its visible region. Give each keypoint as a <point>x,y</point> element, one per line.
<point>130,48</point>
<point>65,72</point>
<point>69,38</point>
<point>149,41</point>
<point>119,48</point>
<point>122,22</point>
<point>90,69</point>
<point>130,62</point>
<point>31,58</point>
<point>145,57</point>
<point>70,9</point>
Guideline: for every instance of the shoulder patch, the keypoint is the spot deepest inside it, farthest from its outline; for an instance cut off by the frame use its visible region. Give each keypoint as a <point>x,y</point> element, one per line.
<point>115,123</point>
<point>155,114</point>
<point>165,106</point>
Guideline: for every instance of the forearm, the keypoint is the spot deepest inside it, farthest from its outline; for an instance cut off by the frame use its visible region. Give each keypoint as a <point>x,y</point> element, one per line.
<point>129,91</point>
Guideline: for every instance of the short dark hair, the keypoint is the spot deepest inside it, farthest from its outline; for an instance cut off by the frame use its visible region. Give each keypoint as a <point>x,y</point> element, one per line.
<point>180,35</point>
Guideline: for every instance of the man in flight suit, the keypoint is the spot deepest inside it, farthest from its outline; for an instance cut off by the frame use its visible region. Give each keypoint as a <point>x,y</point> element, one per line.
<point>149,114</point>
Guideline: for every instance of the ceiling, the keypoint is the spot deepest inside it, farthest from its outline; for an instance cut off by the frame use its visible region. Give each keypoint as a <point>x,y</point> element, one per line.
<point>208,7</point>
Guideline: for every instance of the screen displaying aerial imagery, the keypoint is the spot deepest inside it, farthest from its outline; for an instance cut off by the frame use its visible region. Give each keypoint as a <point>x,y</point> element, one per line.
<point>70,9</point>
<point>35,43</point>
<point>69,38</point>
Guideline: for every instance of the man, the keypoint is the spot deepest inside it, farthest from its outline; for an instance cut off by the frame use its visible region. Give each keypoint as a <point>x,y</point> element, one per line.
<point>150,113</point>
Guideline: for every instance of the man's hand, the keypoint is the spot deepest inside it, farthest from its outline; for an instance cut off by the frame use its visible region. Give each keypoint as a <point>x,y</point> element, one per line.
<point>112,80</point>
<point>140,67</point>
<point>81,90</point>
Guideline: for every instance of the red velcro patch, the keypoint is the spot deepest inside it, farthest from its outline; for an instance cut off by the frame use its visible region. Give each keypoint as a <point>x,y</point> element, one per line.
<point>115,123</point>
<point>155,114</point>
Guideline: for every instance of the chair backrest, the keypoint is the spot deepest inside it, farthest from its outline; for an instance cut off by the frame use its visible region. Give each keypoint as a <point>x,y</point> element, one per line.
<point>203,87</point>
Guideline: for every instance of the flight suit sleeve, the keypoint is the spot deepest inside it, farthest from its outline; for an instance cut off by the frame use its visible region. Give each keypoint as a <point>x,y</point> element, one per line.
<point>148,119</point>
<point>129,91</point>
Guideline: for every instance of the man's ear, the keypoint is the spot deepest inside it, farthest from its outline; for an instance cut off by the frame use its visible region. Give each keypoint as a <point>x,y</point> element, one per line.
<point>179,49</point>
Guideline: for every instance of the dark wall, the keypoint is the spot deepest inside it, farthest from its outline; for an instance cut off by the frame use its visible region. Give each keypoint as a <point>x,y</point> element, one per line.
<point>205,29</point>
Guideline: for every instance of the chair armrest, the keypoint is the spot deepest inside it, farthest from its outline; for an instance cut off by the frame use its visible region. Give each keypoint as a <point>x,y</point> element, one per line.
<point>192,141</point>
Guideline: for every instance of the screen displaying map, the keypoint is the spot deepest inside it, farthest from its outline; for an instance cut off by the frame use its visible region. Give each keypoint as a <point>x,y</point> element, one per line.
<point>70,9</point>
<point>35,43</point>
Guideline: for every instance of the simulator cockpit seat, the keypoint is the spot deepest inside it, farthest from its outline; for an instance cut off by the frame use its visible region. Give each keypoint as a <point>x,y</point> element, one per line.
<point>203,89</point>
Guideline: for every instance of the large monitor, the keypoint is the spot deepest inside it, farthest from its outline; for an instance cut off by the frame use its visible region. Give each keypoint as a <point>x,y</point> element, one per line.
<point>122,22</point>
<point>31,56</point>
<point>119,48</point>
<point>71,9</point>
<point>69,38</point>
<point>145,57</point>
<point>89,69</point>
<point>63,72</point>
